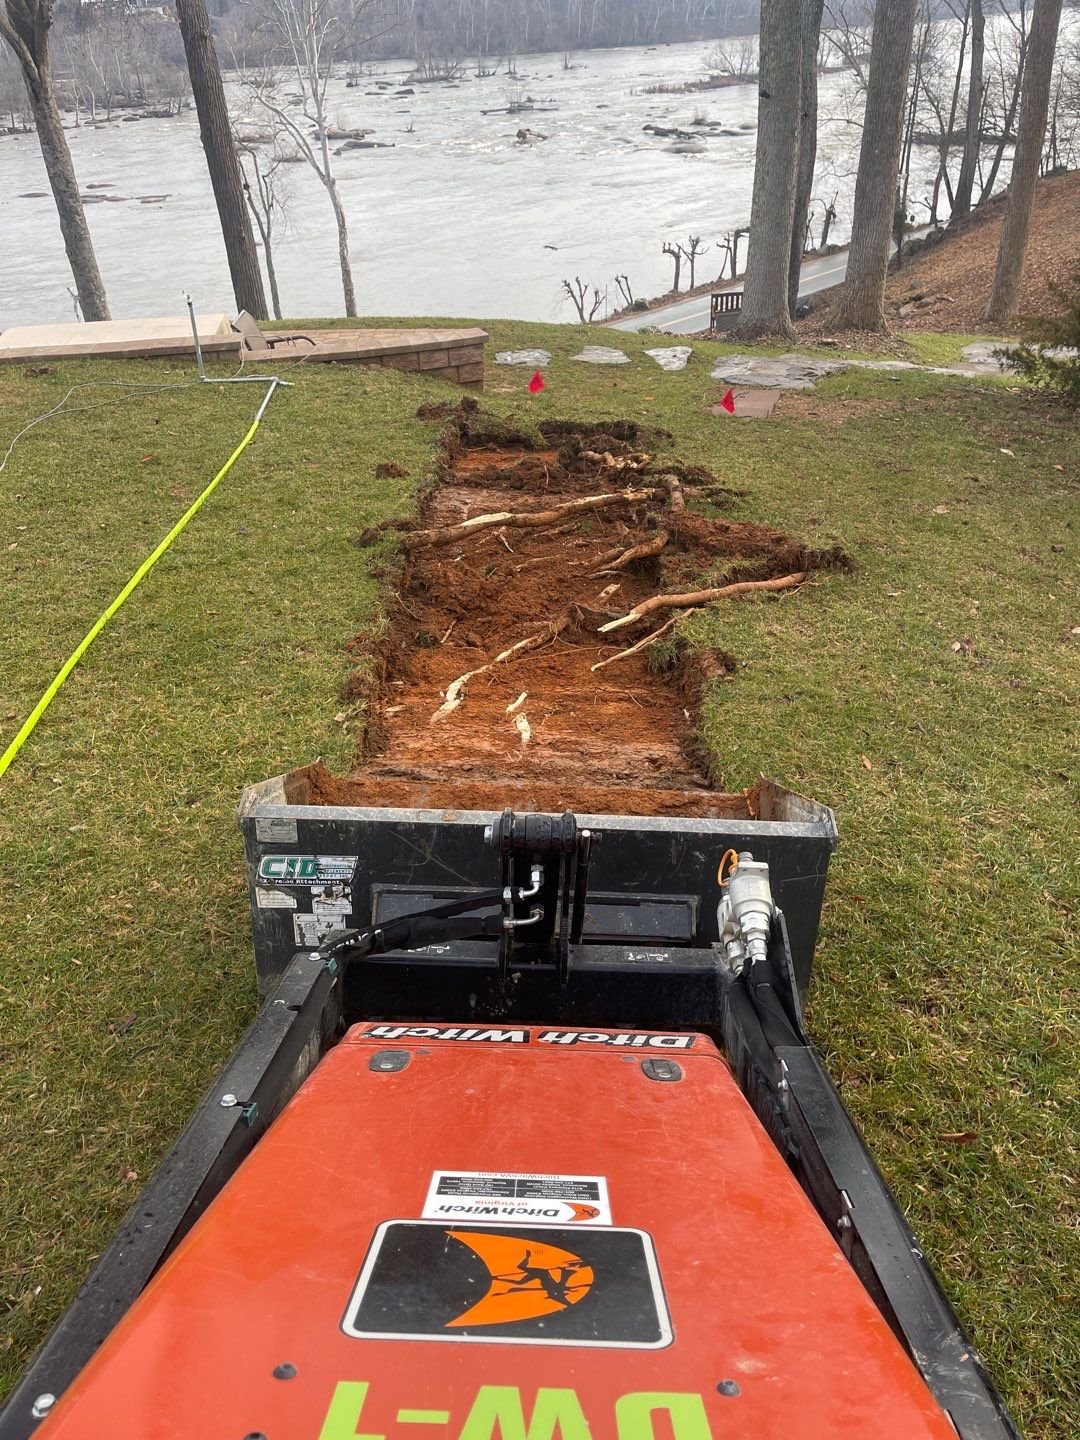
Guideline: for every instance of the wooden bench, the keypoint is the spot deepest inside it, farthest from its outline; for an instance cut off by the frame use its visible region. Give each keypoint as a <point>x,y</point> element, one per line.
<point>723,302</point>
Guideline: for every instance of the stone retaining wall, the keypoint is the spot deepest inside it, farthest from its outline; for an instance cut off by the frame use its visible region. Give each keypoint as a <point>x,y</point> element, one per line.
<point>455,355</point>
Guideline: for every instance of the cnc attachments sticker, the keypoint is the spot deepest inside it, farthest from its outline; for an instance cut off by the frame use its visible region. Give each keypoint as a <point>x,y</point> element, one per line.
<point>517,1199</point>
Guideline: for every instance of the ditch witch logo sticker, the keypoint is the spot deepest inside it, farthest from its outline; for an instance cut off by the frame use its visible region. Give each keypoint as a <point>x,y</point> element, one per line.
<point>521,1284</point>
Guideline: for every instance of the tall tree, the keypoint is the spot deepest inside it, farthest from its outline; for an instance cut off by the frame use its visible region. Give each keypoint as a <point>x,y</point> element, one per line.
<point>808,126</point>
<point>784,30</point>
<point>862,301</point>
<point>935,70</point>
<point>1030,135</point>
<point>973,125</point>
<point>221,158</point>
<point>266,192</point>
<point>24,25</point>
<point>1010,61</point>
<point>305,37</point>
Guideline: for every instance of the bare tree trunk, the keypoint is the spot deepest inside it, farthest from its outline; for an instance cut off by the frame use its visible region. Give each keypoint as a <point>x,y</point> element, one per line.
<point>966,179</point>
<point>65,189</point>
<point>827,223</point>
<point>339,210</point>
<point>735,238</point>
<point>271,273</point>
<point>804,175</point>
<point>268,253</point>
<point>942,176</point>
<point>784,24</point>
<point>221,160</point>
<point>900,214</point>
<point>862,302</point>
<point>1012,247</point>
<point>343,246</point>
<point>1010,118</point>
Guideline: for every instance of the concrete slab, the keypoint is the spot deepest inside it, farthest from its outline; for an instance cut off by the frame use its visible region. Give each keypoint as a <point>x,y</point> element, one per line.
<point>163,334</point>
<point>751,403</point>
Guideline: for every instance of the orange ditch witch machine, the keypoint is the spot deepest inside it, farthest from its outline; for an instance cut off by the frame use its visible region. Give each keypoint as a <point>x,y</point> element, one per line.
<point>527,1142</point>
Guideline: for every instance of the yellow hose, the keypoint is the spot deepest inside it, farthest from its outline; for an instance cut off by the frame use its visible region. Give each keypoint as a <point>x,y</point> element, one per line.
<point>140,574</point>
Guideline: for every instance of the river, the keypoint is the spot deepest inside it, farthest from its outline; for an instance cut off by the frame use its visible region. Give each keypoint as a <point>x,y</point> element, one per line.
<point>457,219</point>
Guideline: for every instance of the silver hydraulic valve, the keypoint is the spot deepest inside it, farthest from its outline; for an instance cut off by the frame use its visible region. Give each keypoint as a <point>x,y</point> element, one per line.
<point>752,904</point>
<point>746,910</point>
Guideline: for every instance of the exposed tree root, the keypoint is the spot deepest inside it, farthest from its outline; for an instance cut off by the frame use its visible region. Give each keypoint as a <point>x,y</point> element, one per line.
<point>641,644</point>
<point>635,460</point>
<point>529,519</point>
<point>645,551</point>
<point>678,500</point>
<point>455,691</point>
<point>702,597</point>
<point>524,729</point>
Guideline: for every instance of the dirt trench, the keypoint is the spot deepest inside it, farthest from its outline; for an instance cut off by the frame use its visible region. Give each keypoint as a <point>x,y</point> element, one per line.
<point>543,729</point>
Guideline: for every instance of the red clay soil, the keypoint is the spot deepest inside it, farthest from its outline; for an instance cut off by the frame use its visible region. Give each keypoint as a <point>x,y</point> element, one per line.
<point>622,739</point>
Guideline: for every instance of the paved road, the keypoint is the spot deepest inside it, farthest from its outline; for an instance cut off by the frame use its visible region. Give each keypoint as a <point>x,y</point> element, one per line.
<point>687,317</point>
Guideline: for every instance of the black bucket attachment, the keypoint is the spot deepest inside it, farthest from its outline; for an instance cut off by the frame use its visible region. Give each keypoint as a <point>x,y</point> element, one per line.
<point>315,871</point>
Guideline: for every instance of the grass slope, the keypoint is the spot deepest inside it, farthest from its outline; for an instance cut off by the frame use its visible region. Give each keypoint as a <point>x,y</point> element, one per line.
<point>946,988</point>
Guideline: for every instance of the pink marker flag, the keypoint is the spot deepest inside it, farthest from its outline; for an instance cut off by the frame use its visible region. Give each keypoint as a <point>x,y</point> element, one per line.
<point>536,384</point>
<point>728,402</point>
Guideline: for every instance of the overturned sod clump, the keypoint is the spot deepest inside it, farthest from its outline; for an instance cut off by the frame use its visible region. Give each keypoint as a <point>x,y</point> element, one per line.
<point>521,666</point>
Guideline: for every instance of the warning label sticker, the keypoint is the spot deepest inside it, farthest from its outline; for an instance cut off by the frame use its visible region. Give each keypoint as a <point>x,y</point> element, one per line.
<point>513,1284</point>
<point>495,1195</point>
<point>311,931</point>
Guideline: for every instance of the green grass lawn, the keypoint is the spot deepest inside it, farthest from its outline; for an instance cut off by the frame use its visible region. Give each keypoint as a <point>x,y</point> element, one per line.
<point>926,697</point>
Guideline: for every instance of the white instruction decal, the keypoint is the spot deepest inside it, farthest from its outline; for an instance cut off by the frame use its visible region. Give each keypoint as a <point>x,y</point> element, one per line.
<point>274,899</point>
<point>505,1198</point>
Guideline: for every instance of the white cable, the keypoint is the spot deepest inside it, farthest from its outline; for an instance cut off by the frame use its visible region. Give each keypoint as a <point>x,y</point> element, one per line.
<point>126,385</point>
<point>76,409</point>
<point>143,389</point>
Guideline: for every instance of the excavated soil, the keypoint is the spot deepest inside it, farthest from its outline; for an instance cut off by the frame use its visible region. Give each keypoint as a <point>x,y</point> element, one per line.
<point>622,739</point>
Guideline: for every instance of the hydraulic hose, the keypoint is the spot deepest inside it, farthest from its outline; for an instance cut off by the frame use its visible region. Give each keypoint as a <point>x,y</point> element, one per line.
<point>760,980</point>
<point>426,927</point>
